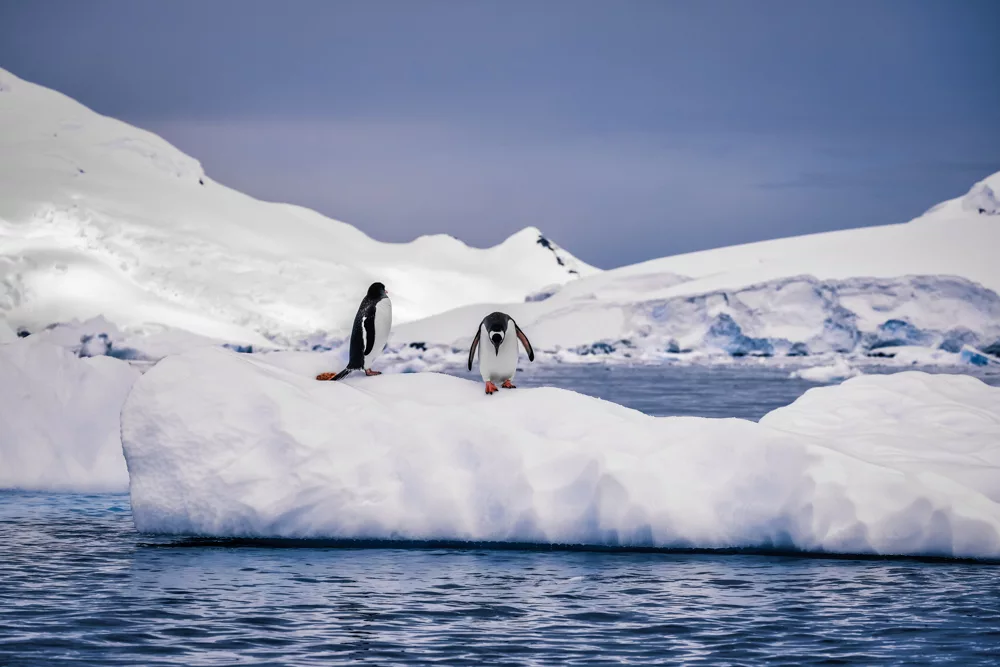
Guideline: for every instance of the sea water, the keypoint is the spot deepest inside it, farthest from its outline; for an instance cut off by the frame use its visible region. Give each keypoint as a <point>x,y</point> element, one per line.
<point>79,586</point>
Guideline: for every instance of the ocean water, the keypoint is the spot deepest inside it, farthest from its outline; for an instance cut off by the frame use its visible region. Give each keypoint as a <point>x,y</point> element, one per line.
<point>748,390</point>
<point>79,586</point>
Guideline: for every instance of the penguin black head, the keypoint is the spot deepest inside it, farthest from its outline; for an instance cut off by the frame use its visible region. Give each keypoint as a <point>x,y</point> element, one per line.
<point>377,292</point>
<point>496,337</point>
<point>496,329</point>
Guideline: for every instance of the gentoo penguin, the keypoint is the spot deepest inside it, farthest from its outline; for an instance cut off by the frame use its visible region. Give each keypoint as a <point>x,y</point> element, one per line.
<point>498,356</point>
<point>371,331</point>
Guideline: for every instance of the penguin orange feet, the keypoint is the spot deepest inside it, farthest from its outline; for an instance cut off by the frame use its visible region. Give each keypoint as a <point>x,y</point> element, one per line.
<point>507,384</point>
<point>369,371</point>
<point>326,376</point>
<point>491,388</point>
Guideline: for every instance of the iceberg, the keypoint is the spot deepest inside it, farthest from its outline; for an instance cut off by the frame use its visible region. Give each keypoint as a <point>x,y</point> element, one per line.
<point>941,428</point>
<point>229,445</point>
<point>59,426</point>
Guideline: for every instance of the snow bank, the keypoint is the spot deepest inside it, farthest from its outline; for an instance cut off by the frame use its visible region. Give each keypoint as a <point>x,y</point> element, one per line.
<point>59,426</point>
<point>227,445</point>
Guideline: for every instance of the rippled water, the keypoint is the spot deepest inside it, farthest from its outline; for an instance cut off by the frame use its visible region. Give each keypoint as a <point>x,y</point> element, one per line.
<point>748,391</point>
<point>79,586</point>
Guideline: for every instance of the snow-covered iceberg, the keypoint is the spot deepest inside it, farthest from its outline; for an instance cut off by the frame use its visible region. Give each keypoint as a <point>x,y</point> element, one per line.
<point>59,426</point>
<point>223,444</point>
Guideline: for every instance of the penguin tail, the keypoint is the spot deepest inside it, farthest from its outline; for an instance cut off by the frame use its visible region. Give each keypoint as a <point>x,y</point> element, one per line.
<point>342,374</point>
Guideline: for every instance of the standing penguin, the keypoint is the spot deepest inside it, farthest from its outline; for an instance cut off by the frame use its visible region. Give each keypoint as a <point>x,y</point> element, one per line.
<point>370,333</point>
<point>498,357</point>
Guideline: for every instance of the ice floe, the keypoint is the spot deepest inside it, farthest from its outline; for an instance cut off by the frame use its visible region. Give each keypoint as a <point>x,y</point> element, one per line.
<point>223,444</point>
<point>835,372</point>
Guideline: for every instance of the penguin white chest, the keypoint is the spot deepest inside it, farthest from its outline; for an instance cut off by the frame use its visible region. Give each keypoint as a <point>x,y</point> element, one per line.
<point>383,324</point>
<point>498,364</point>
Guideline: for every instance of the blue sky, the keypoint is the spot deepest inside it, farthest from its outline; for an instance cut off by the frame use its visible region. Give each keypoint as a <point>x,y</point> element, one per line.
<point>624,129</point>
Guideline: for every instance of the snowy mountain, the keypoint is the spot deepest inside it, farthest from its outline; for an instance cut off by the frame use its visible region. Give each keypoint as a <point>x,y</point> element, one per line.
<point>101,218</point>
<point>931,282</point>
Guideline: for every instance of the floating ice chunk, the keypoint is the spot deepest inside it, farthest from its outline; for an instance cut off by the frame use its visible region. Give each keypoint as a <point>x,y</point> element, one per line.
<point>59,427</point>
<point>224,444</point>
<point>835,372</point>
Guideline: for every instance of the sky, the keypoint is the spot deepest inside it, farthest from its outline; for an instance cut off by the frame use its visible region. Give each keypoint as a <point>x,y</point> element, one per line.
<point>624,129</point>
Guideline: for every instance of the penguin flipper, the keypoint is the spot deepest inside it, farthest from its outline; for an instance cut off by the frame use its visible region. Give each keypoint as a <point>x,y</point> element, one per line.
<point>525,342</point>
<point>475,344</point>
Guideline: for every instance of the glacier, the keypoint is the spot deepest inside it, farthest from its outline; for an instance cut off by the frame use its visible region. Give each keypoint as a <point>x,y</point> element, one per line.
<point>932,282</point>
<point>229,445</point>
<point>791,317</point>
<point>99,218</point>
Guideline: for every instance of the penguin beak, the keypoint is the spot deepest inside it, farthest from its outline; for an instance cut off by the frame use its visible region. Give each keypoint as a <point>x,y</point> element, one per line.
<point>496,339</point>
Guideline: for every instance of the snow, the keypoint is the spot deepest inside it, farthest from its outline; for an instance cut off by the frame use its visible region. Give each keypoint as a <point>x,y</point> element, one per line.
<point>141,345</point>
<point>98,218</point>
<point>7,334</point>
<point>982,198</point>
<point>59,425</point>
<point>224,444</point>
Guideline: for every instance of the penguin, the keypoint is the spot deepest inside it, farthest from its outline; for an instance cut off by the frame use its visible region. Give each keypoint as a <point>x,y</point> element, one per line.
<point>498,356</point>
<point>370,333</point>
